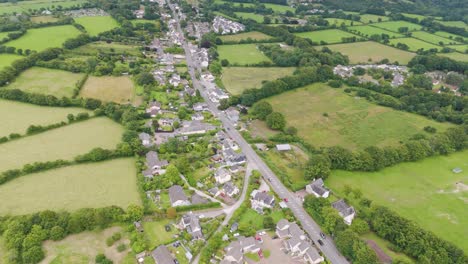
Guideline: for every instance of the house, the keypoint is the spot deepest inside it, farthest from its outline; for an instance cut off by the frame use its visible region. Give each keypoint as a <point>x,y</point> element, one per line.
<point>197,117</point>
<point>197,199</point>
<point>198,107</point>
<point>214,191</point>
<point>234,169</point>
<point>234,252</point>
<point>145,139</point>
<point>234,227</point>
<point>161,255</point>
<point>194,127</point>
<point>230,189</point>
<point>153,108</point>
<point>191,223</point>
<point>260,200</point>
<point>222,176</point>
<point>285,229</point>
<point>177,196</point>
<point>155,166</point>
<point>295,246</point>
<point>283,147</point>
<point>317,188</point>
<point>232,114</point>
<point>345,211</point>
<point>312,256</point>
<point>217,95</point>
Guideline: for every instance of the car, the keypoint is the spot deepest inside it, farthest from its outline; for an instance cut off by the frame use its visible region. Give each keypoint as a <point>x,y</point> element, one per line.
<point>261,233</point>
<point>322,235</point>
<point>201,216</point>
<point>320,242</point>
<point>176,261</point>
<point>285,199</point>
<point>269,179</point>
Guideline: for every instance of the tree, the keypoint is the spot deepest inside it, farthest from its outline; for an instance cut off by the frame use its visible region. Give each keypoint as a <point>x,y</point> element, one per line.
<point>331,219</point>
<point>268,222</point>
<point>224,62</point>
<point>171,213</point>
<point>262,109</point>
<point>134,213</point>
<point>276,121</point>
<point>57,233</point>
<point>319,166</point>
<point>360,226</point>
<point>145,78</point>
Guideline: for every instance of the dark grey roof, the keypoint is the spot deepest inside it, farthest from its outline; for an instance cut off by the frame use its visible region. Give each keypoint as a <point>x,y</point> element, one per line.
<point>295,230</point>
<point>161,255</point>
<point>213,190</point>
<point>197,199</point>
<point>264,197</point>
<point>343,208</point>
<point>282,224</point>
<point>144,136</point>
<point>234,226</point>
<point>229,187</point>
<point>312,253</point>
<point>152,160</point>
<point>176,193</point>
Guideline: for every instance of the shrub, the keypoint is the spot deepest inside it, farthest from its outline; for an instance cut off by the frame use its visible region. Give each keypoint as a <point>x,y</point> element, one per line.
<point>121,247</point>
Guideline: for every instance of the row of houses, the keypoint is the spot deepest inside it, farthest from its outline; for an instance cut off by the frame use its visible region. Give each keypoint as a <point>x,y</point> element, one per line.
<point>399,72</point>
<point>225,26</point>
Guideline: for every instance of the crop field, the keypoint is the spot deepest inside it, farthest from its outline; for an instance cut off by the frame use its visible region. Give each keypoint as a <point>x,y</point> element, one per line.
<point>47,81</point>
<point>109,89</point>
<point>62,143</point>
<point>91,185</point>
<point>103,47</point>
<point>39,39</point>
<point>427,192</point>
<point>459,24</point>
<point>368,31</point>
<point>279,8</point>
<point>328,117</point>
<point>456,56</point>
<point>24,6</point>
<point>256,17</point>
<point>97,24</point>
<point>242,36</point>
<point>362,52</point>
<point>395,25</point>
<point>414,44</point>
<point>339,22</point>
<point>237,79</point>
<point>431,38</point>
<point>329,36</point>
<point>459,48</point>
<point>43,19</point>
<point>242,54</point>
<point>16,117</point>
<point>7,59</point>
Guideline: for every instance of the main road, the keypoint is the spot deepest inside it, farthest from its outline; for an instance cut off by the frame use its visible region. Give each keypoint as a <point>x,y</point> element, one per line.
<point>329,249</point>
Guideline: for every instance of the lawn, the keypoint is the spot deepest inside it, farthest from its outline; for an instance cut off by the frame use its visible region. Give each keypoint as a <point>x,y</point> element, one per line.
<point>363,51</point>
<point>414,44</point>
<point>24,6</point>
<point>427,192</point>
<point>328,36</point>
<point>103,47</point>
<point>339,22</point>
<point>244,15</point>
<point>16,117</point>
<point>7,59</point>
<point>237,79</point>
<point>109,89</point>
<point>369,18</point>
<point>47,81</point>
<point>328,117</point>
<point>456,56</point>
<point>39,39</point>
<point>368,31</point>
<point>61,143</point>
<point>254,219</point>
<point>97,24</point>
<point>385,246</point>
<point>434,39</point>
<point>243,36</point>
<point>242,54</point>
<point>395,25</point>
<point>156,233</point>
<point>90,185</point>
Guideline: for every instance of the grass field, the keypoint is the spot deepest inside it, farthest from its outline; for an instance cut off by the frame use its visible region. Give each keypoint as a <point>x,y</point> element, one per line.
<point>156,233</point>
<point>39,39</point>
<point>97,24</point>
<point>237,79</point>
<point>459,48</point>
<point>220,2</point>
<point>419,17</point>
<point>252,35</point>
<point>339,22</point>
<point>61,143</point>
<point>241,54</point>
<point>456,56</point>
<point>279,8</point>
<point>363,51</point>
<point>43,19</point>
<point>103,47</point>
<point>291,163</point>
<point>4,34</point>
<point>91,185</point>
<point>16,117</point>
<point>385,246</point>
<point>109,89</point>
<point>7,59</point>
<point>431,38</point>
<point>395,25</point>
<point>425,191</point>
<point>329,36</point>
<point>369,18</point>
<point>256,17</point>
<point>368,31</point>
<point>24,6</point>
<point>414,44</point>
<point>449,35</point>
<point>47,81</point>
<point>351,122</point>
<point>254,219</point>
<point>459,24</point>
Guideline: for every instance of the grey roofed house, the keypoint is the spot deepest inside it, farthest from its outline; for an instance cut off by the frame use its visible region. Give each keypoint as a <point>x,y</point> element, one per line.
<point>195,127</point>
<point>296,231</point>
<point>282,224</point>
<point>313,256</point>
<point>197,199</point>
<point>234,253</point>
<point>234,227</point>
<point>283,147</point>
<point>214,191</point>
<point>293,242</point>
<point>177,196</point>
<point>153,162</point>
<point>233,114</point>
<point>317,188</point>
<point>191,223</point>
<point>161,255</point>
<point>230,189</point>
<point>145,139</point>
<point>200,107</point>
<point>343,208</point>
<point>264,197</point>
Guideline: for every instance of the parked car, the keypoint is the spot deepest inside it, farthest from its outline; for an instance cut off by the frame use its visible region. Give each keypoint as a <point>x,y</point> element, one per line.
<point>320,242</point>
<point>322,235</point>
<point>285,199</point>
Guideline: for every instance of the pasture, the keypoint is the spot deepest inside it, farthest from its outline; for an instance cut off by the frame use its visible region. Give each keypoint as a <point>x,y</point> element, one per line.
<point>456,56</point>
<point>7,59</point>
<point>418,17</point>
<point>243,36</point>
<point>328,36</point>
<point>369,18</point>
<point>39,39</point>
<point>97,24</point>
<point>90,185</point>
<point>25,6</point>
<point>459,48</point>
<point>4,35</point>
<point>109,89</point>
<point>449,35</point>
<point>258,18</point>
<point>362,52</point>
<point>431,38</point>
<point>242,54</point>
<point>395,25</point>
<point>279,8</point>
<point>328,117</point>
<point>62,143</point>
<point>16,117</point>
<point>220,2</point>
<point>237,79</point>
<point>459,24</point>
<point>338,22</point>
<point>47,81</point>
<point>414,44</point>
<point>427,192</point>
<point>368,31</point>
<point>95,48</point>
<point>43,19</point>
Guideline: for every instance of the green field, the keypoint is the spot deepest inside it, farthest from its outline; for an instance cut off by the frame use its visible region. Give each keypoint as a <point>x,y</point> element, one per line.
<point>369,18</point>
<point>97,24</point>
<point>425,191</point>
<point>279,8</point>
<point>256,17</point>
<point>61,143</point>
<point>70,188</point>
<point>419,17</point>
<point>368,31</point>
<point>7,59</point>
<point>39,39</point>
<point>395,25</point>
<point>363,51</point>
<point>254,219</point>
<point>431,38</point>
<point>449,35</point>
<point>43,19</point>
<point>4,35</point>
<point>385,246</point>
<point>109,89</point>
<point>291,163</point>
<point>414,44</point>
<point>329,36</point>
<point>459,24</point>
<point>156,233</point>
<point>351,122</point>
<point>242,54</point>
<point>47,81</point>
<point>459,48</point>
<point>16,117</point>
<point>220,2</point>
<point>103,47</point>
<point>237,79</point>
<point>24,6</point>
<point>455,56</point>
<point>338,22</point>
<point>242,36</point>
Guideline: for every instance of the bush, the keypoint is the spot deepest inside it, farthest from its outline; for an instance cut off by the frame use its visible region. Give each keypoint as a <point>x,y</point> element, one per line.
<point>121,247</point>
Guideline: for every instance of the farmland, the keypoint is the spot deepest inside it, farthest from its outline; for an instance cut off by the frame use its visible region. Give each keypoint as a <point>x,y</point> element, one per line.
<point>43,19</point>
<point>414,44</point>
<point>330,117</point>
<point>109,89</point>
<point>427,192</point>
<point>39,39</point>
<point>328,36</point>
<point>431,38</point>
<point>242,54</point>
<point>24,6</point>
<point>369,18</point>
<point>362,52</point>
<point>368,31</point>
<point>7,59</point>
<point>279,8</point>
<point>395,25</point>
<point>459,48</point>
<point>339,22</point>
<point>237,79</point>
<point>456,56</point>
<point>61,143</point>
<point>243,36</point>
<point>448,35</point>
<point>459,24</point>
<point>97,24</point>
<point>95,48</point>
<point>91,185</point>
<point>16,117</point>
<point>47,81</point>
<point>256,17</point>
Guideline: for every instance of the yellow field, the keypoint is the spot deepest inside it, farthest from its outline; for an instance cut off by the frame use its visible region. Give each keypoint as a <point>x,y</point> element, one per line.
<point>109,89</point>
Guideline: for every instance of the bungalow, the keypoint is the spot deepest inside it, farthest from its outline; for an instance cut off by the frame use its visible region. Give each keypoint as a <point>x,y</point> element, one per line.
<point>195,127</point>
<point>230,189</point>
<point>161,255</point>
<point>260,200</point>
<point>191,223</point>
<point>317,188</point>
<point>198,107</point>
<point>145,139</point>
<point>222,176</point>
<point>217,95</point>
<point>155,166</point>
<point>153,108</point>
<point>345,211</point>
<point>177,196</point>
<point>312,256</point>
<point>214,191</point>
<point>232,114</point>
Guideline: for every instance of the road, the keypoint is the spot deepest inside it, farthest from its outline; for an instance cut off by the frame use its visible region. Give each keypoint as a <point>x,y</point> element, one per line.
<point>310,227</point>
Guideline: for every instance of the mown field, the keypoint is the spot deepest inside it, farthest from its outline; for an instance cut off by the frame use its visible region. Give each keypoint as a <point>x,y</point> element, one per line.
<point>395,25</point>
<point>43,19</point>
<point>328,117</point>
<point>237,79</point>
<point>414,44</point>
<point>256,17</point>
<point>97,24</point>
<point>329,35</point>
<point>39,39</point>
<point>427,192</point>
<point>61,143</point>
<point>157,234</point>
<point>7,59</point>
<point>368,31</point>
<point>339,22</point>
<point>456,56</point>
<point>47,81</point>
<point>279,8</point>
<point>434,39</point>
<point>242,54</point>
<point>91,185</point>
<point>361,52</point>
<point>103,47</point>
<point>109,89</point>
<point>242,36</point>
<point>24,6</point>
<point>459,24</point>
<point>369,18</point>
<point>459,48</point>
<point>16,117</point>
<point>449,35</point>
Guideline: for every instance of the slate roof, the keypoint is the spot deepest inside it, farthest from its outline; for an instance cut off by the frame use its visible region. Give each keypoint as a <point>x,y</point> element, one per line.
<point>161,255</point>
<point>343,208</point>
<point>176,193</point>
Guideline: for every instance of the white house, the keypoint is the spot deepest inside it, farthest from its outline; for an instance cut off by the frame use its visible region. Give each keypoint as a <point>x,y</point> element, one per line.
<point>260,200</point>
<point>317,188</point>
<point>222,176</point>
<point>345,211</point>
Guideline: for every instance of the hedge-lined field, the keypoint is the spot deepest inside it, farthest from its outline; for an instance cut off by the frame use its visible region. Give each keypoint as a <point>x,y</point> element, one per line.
<point>39,39</point>
<point>7,59</point>
<point>255,35</point>
<point>414,44</point>
<point>109,89</point>
<point>395,25</point>
<point>241,54</point>
<point>97,24</point>
<point>329,35</point>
